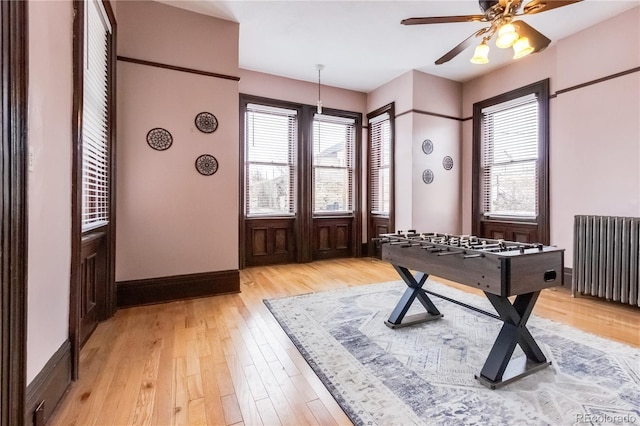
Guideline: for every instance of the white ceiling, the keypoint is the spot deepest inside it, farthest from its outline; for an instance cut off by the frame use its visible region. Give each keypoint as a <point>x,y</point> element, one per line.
<point>361,42</point>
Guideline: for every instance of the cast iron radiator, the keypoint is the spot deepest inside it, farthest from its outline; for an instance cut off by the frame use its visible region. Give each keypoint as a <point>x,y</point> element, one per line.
<point>606,255</point>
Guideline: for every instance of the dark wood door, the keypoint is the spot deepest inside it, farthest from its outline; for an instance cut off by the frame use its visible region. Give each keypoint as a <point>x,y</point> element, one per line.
<point>93,283</point>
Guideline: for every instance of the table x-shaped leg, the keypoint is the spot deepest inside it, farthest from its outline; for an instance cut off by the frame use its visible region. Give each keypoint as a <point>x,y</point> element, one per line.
<point>499,369</point>
<point>414,290</point>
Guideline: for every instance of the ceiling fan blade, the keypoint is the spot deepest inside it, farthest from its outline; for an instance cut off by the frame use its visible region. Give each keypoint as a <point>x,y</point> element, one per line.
<point>537,6</point>
<point>470,41</point>
<point>443,19</point>
<point>537,40</point>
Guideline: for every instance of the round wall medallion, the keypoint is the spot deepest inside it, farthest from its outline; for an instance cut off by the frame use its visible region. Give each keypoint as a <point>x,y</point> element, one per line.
<point>447,163</point>
<point>159,139</point>
<point>206,122</point>
<point>427,176</point>
<point>427,146</point>
<point>206,164</point>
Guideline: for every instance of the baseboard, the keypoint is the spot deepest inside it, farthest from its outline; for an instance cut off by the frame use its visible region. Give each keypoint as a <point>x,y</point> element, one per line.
<point>364,250</point>
<point>48,386</point>
<point>178,287</point>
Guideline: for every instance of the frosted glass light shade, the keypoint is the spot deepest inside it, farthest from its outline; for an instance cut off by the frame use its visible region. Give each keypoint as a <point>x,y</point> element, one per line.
<point>481,55</point>
<point>507,35</point>
<point>521,48</point>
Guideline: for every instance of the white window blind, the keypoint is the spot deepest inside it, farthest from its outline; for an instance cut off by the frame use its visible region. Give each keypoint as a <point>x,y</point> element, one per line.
<point>333,156</point>
<point>509,169</point>
<point>380,164</point>
<point>95,132</point>
<point>270,140</point>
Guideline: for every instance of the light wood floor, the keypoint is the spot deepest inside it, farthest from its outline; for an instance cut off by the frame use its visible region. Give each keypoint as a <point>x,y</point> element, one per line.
<point>225,361</point>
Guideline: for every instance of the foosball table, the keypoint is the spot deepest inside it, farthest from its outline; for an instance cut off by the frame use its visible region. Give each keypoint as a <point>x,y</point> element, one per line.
<point>499,268</point>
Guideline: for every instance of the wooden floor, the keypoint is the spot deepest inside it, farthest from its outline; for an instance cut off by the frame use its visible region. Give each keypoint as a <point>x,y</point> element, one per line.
<point>225,361</point>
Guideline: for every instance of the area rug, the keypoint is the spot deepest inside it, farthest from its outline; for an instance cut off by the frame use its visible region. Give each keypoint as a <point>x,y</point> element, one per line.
<point>424,374</point>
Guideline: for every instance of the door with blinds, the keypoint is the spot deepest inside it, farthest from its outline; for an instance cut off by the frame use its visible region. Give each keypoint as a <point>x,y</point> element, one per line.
<point>510,166</point>
<point>299,183</point>
<point>270,184</point>
<point>92,289</point>
<point>335,187</point>
<point>380,214</point>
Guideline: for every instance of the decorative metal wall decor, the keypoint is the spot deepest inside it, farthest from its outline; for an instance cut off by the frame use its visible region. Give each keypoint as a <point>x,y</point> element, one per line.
<point>447,163</point>
<point>159,139</point>
<point>206,122</point>
<point>206,164</point>
<point>427,146</point>
<point>427,176</point>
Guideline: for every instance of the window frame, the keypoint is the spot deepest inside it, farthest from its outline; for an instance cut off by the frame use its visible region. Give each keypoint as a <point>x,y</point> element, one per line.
<point>541,90</point>
<point>293,165</point>
<point>353,168</point>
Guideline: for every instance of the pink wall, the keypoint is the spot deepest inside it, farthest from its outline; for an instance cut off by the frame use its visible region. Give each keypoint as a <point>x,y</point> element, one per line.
<point>170,219</point>
<point>595,130</point>
<point>434,207</point>
<point>49,181</point>
<point>156,32</point>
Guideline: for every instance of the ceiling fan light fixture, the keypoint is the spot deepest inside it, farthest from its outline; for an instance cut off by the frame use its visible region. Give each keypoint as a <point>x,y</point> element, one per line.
<point>507,36</point>
<point>481,55</point>
<point>522,48</point>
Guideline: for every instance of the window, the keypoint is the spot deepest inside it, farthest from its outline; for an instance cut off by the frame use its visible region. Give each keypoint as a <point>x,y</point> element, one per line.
<point>511,165</point>
<point>380,164</point>
<point>95,118</point>
<point>270,140</point>
<point>333,164</point>
<point>509,169</point>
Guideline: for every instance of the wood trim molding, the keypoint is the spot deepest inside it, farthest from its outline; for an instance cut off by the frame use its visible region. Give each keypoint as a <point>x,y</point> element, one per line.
<point>433,114</point>
<point>596,81</point>
<point>179,287</point>
<point>46,390</point>
<point>14,237</point>
<point>177,68</point>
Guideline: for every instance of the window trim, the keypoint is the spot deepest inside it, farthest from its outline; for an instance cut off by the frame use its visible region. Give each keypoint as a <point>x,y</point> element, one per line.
<point>304,216</point>
<point>541,89</point>
<point>390,109</point>
<point>352,168</point>
<point>294,166</point>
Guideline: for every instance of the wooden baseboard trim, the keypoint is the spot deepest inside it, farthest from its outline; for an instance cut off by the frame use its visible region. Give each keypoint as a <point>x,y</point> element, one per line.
<point>49,386</point>
<point>178,287</point>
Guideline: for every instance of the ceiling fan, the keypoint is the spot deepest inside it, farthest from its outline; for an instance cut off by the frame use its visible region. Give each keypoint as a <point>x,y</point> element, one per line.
<point>500,15</point>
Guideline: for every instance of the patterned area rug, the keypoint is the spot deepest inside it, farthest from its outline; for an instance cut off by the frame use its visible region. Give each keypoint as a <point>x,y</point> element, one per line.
<point>424,374</point>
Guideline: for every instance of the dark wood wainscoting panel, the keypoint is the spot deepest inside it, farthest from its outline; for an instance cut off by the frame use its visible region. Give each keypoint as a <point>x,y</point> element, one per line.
<point>177,287</point>
<point>48,387</point>
<point>93,283</point>
<point>511,231</point>
<point>378,225</point>
<point>269,241</point>
<point>333,237</point>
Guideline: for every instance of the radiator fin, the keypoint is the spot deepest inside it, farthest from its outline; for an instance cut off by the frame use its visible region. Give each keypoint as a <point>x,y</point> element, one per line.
<point>606,258</point>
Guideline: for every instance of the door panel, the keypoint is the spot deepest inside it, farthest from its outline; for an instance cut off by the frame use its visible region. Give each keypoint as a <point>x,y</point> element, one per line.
<point>510,231</point>
<point>378,225</point>
<point>269,241</point>
<point>333,237</point>
<point>93,283</point>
